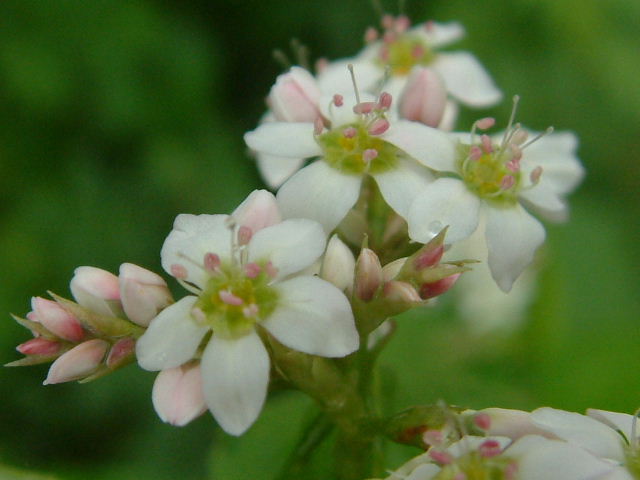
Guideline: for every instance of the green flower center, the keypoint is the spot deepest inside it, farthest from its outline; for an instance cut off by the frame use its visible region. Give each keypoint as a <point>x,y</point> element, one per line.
<point>236,298</point>
<point>492,175</point>
<point>473,466</point>
<point>405,52</point>
<point>352,149</point>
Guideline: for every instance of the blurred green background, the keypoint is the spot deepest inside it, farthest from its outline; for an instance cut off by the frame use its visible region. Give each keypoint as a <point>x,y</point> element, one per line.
<point>118,115</point>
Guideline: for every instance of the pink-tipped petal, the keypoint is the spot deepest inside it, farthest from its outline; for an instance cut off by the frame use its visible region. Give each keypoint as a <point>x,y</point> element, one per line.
<point>257,211</point>
<point>424,97</point>
<point>295,96</point>
<point>144,294</point>
<point>77,363</point>
<point>39,346</point>
<point>177,394</point>
<point>97,290</point>
<point>57,320</point>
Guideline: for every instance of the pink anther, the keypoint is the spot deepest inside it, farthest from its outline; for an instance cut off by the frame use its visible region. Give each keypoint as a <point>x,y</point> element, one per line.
<point>486,144</point>
<point>385,100</point>
<point>536,174</point>
<point>364,107</point>
<point>490,448</point>
<point>482,421</point>
<point>370,35</point>
<point>387,21</point>
<point>475,153</point>
<point>443,458</point>
<point>485,123</point>
<point>369,154</point>
<point>179,271</point>
<point>338,100</point>
<point>507,182</point>
<point>389,37</point>
<point>229,298</point>
<point>379,126</point>
<point>271,270</point>
<point>250,311</point>
<point>211,262</point>
<point>349,132</point>
<point>244,235</point>
<point>252,270</point>
<point>318,126</point>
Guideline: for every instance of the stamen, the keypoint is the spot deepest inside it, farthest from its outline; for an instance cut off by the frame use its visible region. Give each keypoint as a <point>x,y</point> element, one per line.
<point>384,102</point>
<point>229,298</point>
<point>486,144</point>
<point>370,35</point>
<point>244,235</point>
<point>402,23</point>
<point>369,154</point>
<point>417,51</point>
<point>507,182</point>
<point>211,262</point>
<point>179,271</point>
<point>379,126</point>
<point>486,123</point>
<point>519,137</point>
<point>535,175</point>
<point>364,107</point>
<point>440,457</point>
<point>355,85</point>
<point>475,152</point>
<point>538,137</point>
<point>349,132</point>
<point>489,448</point>
<point>250,311</point>
<point>482,421</point>
<point>252,270</point>
<point>318,126</point>
<point>516,99</point>
<point>338,100</point>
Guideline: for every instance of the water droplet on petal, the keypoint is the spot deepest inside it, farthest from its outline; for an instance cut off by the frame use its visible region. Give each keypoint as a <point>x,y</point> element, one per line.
<point>435,227</point>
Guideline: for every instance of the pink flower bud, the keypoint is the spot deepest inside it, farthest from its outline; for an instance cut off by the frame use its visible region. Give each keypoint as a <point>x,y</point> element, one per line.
<point>39,346</point>
<point>259,210</point>
<point>368,275</point>
<point>143,293</point>
<point>424,97</point>
<point>431,290</point>
<point>338,264</point>
<point>295,96</point>
<point>57,320</point>
<point>121,351</point>
<point>77,363</point>
<point>401,292</point>
<point>177,394</point>
<point>97,290</point>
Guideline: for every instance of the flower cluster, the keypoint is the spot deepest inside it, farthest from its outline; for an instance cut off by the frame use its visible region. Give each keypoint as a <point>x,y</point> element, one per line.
<point>299,289</point>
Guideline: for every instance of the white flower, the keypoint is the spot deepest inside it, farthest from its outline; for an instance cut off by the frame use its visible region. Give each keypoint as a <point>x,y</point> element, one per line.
<point>491,178</point>
<point>607,435</point>
<point>242,270</point>
<point>359,140</point>
<point>529,458</point>
<point>401,49</point>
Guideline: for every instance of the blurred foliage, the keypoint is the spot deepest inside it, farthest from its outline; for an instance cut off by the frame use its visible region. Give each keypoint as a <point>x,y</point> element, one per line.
<point>119,115</point>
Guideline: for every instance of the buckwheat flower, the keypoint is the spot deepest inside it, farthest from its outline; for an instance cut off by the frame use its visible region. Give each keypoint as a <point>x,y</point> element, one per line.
<point>496,178</point>
<point>610,436</point>
<point>530,458</point>
<point>395,53</point>
<point>355,137</point>
<point>243,271</point>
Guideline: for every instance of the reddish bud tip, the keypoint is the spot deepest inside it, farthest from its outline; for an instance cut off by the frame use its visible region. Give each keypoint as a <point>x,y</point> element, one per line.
<point>121,350</point>
<point>429,258</point>
<point>431,290</point>
<point>39,346</point>
<point>211,262</point>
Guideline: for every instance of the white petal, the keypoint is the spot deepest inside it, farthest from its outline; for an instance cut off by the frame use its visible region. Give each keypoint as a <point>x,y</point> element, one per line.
<point>449,117</point>
<point>440,34</point>
<point>313,317</point>
<point>192,237</point>
<point>177,394</point>
<point>513,236</point>
<point>555,153</point>
<point>235,375</point>
<point>172,338</point>
<point>343,115</point>
<point>429,146</point>
<point>617,421</point>
<point>543,200</point>
<point>321,193</point>
<point>467,80</point>
<point>582,431</point>
<point>290,246</point>
<point>284,139</point>
<point>335,78</point>
<point>275,170</point>
<point>257,211</point>
<point>402,184</point>
<point>445,202</point>
<point>426,471</point>
<point>541,458</point>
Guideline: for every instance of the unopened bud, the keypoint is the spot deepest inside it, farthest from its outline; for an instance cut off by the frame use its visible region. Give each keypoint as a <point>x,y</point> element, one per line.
<point>144,294</point>
<point>57,320</point>
<point>295,96</point>
<point>424,97</point>
<point>97,290</point>
<point>431,290</point>
<point>401,292</point>
<point>79,362</point>
<point>177,394</point>
<point>122,352</point>
<point>368,275</point>
<point>338,264</point>
<point>39,346</point>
